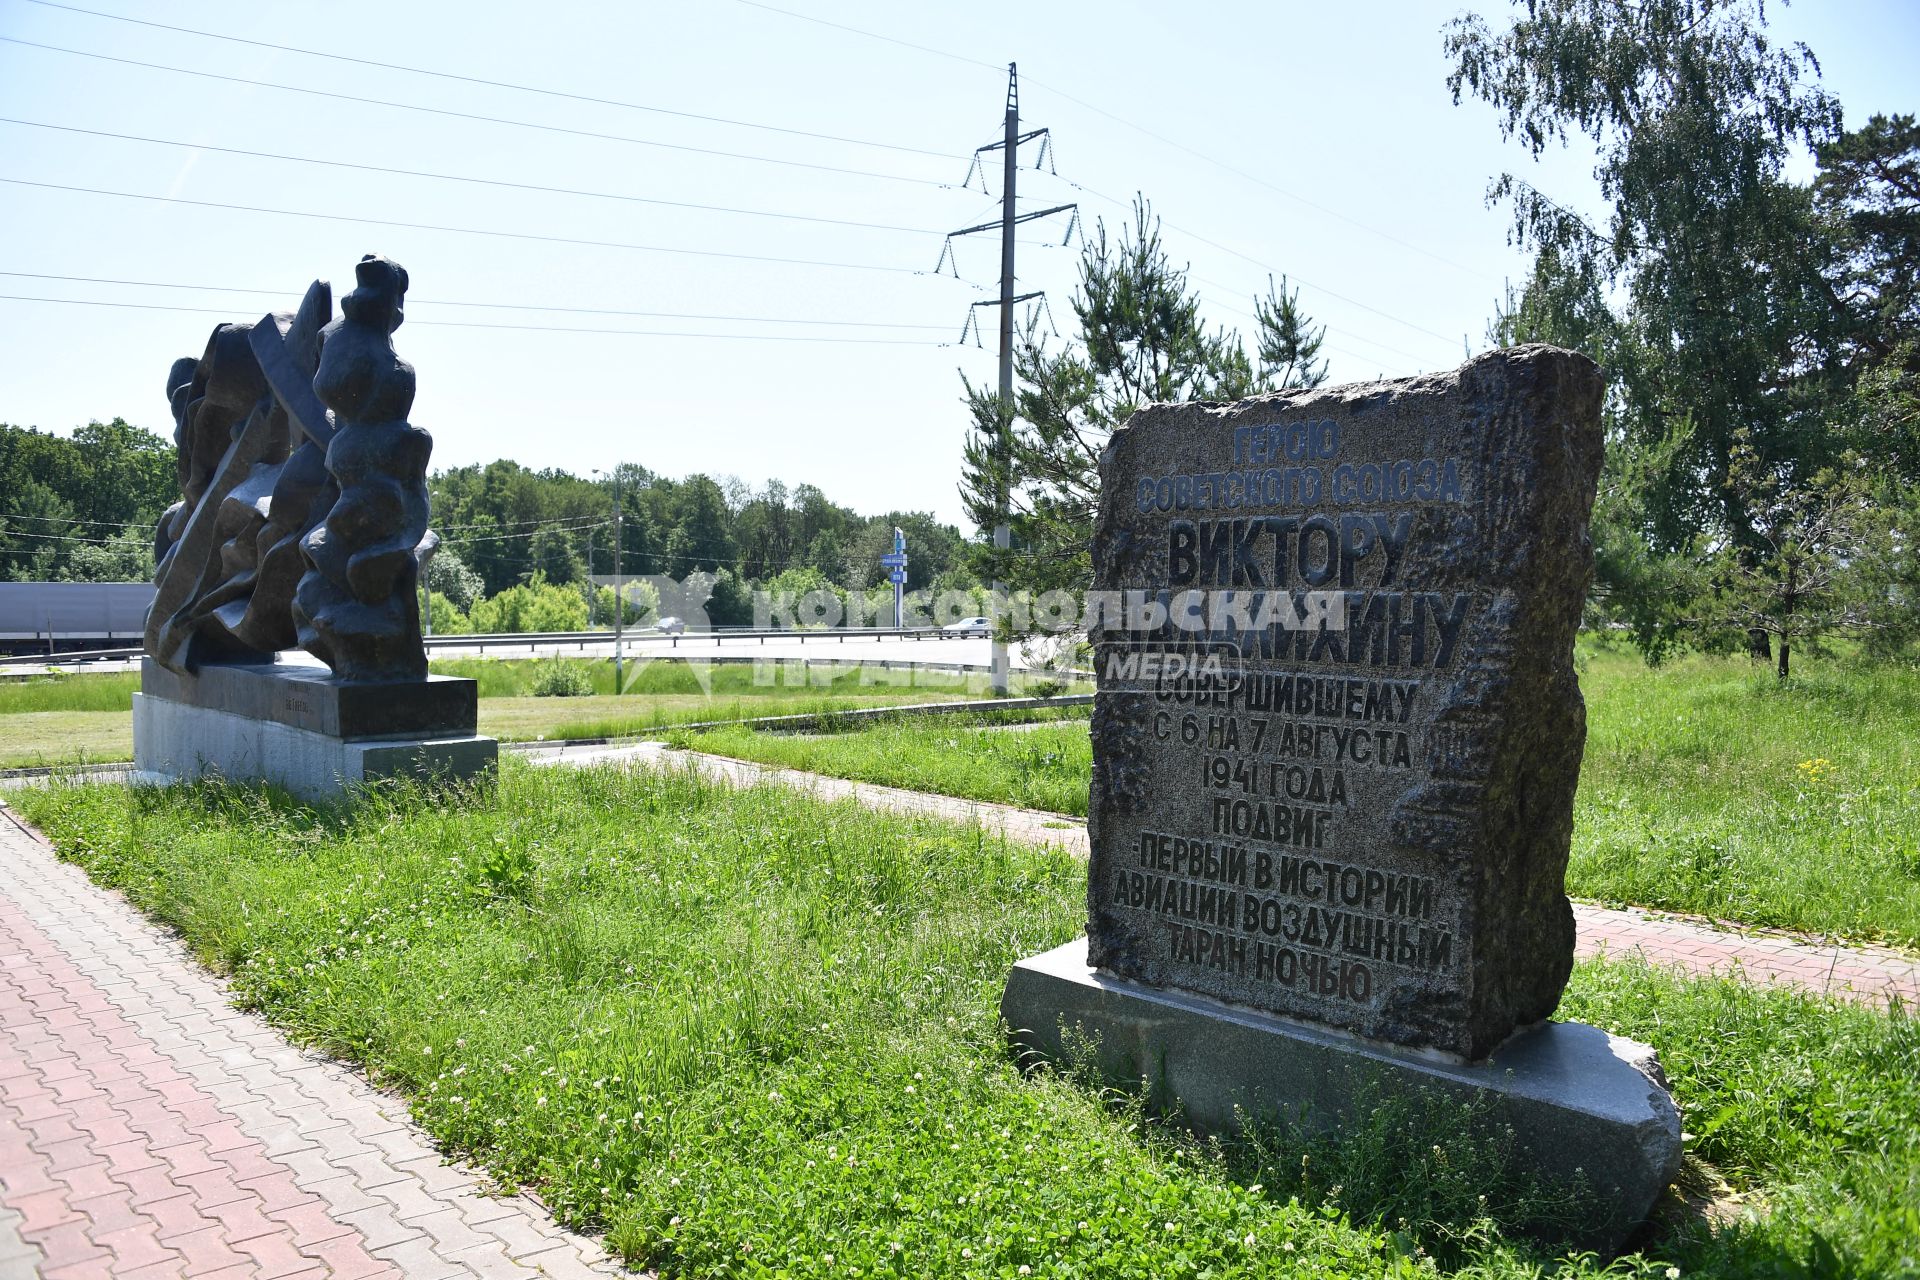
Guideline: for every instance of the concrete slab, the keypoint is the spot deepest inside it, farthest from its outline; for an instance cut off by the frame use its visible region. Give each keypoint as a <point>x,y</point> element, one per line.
<point>1588,1107</point>
<point>174,741</point>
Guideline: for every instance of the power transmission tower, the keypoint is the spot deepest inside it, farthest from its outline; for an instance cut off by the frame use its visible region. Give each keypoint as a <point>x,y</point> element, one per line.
<point>1009,145</point>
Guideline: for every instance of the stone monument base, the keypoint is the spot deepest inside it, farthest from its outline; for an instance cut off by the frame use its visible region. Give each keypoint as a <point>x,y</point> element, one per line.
<point>1586,1106</point>
<point>291,724</point>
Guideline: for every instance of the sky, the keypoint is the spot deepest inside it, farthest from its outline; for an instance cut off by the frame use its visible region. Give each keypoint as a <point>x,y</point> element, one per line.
<point>643,253</point>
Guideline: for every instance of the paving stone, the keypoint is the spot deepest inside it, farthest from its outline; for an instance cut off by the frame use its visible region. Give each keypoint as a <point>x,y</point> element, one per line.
<point>149,1129</point>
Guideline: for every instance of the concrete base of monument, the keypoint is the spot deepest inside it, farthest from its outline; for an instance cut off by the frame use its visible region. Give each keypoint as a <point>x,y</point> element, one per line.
<point>1589,1109</point>
<point>180,742</point>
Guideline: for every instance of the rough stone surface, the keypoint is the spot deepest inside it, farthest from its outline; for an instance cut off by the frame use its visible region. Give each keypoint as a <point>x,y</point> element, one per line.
<point>1364,826</point>
<point>357,608</point>
<point>1590,1109</point>
<point>179,742</point>
<point>297,690</point>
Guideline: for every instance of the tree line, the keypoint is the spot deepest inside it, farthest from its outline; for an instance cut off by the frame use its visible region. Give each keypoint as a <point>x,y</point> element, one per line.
<point>82,508</point>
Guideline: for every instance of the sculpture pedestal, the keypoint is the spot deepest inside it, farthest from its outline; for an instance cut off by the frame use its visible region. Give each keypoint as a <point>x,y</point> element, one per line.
<point>1586,1107</point>
<point>291,724</point>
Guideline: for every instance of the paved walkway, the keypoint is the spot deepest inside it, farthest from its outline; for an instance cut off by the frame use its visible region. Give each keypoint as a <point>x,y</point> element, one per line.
<point>1871,974</point>
<point>148,1129</point>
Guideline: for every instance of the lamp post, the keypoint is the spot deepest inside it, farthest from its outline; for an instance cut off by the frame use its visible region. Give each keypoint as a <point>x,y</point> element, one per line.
<point>619,599</point>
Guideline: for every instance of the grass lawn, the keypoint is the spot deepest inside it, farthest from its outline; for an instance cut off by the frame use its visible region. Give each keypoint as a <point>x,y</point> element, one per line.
<point>955,755</point>
<point>751,1034</point>
<point>1707,787</point>
<point>81,718</point>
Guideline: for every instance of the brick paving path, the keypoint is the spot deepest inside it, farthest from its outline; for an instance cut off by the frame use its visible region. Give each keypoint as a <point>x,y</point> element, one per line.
<point>1870,974</point>
<point>148,1129</point>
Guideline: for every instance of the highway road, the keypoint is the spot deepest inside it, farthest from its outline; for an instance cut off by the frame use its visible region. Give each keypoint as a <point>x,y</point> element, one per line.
<point>815,646</point>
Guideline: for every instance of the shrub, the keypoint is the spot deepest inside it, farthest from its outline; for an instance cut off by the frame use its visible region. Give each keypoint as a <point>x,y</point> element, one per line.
<point>557,679</point>
<point>536,605</point>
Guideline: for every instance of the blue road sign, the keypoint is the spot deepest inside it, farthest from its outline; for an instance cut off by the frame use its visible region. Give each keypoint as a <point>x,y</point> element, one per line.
<point>893,561</point>
<point>897,576</point>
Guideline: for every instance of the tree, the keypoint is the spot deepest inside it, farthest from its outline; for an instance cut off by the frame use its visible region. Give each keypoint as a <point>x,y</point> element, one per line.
<point>1795,587</point>
<point>1760,335</point>
<point>80,496</point>
<point>126,556</point>
<point>534,606</point>
<point>1693,112</point>
<point>449,575</point>
<point>448,618</point>
<point>701,537</point>
<point>1868,195</point>
<point>1140,340</point>
<point>553,557</point>
<point>1289,346</point>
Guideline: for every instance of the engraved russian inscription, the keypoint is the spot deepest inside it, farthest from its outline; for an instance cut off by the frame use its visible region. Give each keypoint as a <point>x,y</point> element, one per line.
<point>1348,617</point>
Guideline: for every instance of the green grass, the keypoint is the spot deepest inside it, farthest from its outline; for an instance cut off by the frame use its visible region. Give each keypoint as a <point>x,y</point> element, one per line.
<point>1044,767</point>
<point>103,692</point>
<point>743,1031</point>
<point>78,718</point>
<point>1692,797</point>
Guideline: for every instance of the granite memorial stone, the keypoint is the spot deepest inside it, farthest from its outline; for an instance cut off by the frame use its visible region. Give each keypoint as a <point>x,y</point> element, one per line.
<point>1336,742</point>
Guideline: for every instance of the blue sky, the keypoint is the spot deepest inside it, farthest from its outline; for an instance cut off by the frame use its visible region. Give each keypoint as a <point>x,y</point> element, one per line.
<point>1356,175</point>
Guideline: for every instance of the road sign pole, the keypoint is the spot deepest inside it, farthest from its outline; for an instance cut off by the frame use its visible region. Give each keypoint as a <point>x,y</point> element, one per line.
<point>899,576</point>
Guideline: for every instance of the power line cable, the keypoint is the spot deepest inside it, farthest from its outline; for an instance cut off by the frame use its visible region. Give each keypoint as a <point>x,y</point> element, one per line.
<point>461,177</point>
<point>1100,111</point>
<point>467,231</point>
<point>498,84</point>
<point>54,537</point>
<point>468,115</point>
<point>103,524</point>
<point>517,328</point>
<point>495,306</point>
<point>996,68</point>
